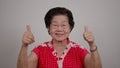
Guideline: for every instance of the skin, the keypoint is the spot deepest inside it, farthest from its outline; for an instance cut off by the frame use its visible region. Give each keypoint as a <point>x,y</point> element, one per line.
<point>59,31</point>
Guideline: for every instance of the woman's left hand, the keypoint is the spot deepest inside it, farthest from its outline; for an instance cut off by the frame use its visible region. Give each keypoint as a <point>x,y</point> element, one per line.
<point>88,36</point>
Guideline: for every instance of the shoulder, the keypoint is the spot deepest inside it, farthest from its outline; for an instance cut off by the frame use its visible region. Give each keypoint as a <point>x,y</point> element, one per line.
<point>42,45</point>
<point>76,45</point>
<point>79,49</point>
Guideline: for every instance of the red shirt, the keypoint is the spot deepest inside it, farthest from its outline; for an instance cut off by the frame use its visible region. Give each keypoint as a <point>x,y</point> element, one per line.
<point>73,56</point>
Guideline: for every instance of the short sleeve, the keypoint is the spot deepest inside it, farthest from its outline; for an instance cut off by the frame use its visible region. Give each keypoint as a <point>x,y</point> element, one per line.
<point>83,52</point>
<point>36,50</point>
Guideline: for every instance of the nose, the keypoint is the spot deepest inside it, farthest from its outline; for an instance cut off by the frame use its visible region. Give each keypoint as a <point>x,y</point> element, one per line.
<point>60,28</point>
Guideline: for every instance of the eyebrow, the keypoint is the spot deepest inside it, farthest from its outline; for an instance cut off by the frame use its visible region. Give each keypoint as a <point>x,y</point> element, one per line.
<point>62,22</point>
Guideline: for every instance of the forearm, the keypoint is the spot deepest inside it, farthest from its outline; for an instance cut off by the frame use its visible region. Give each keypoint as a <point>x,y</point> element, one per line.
<point>22,58</point>
<point>95,58</point>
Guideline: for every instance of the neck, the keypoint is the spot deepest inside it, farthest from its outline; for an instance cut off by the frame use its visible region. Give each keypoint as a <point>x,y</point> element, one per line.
<point>60,43</point>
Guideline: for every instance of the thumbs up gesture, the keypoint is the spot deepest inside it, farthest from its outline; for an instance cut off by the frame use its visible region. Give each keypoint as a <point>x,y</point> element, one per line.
<point>28,37</point>
<point>88,36</point>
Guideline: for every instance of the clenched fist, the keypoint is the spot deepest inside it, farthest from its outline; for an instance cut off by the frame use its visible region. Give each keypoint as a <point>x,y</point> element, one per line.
<point>28,37</point>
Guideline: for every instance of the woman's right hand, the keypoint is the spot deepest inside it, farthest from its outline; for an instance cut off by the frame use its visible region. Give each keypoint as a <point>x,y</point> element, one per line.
<point>28,37</point>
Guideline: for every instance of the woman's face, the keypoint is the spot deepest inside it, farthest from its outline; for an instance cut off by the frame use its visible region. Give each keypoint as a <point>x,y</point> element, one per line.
<point>59,28</point>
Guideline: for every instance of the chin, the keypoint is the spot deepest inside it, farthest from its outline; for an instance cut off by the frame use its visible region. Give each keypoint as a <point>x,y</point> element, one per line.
<point>60,39</point>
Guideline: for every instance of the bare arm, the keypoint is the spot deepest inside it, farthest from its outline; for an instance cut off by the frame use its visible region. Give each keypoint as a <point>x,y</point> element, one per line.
<point>22,58</point>
<point>92,60</point>
<point>32,60</point>
<point>25,61</point>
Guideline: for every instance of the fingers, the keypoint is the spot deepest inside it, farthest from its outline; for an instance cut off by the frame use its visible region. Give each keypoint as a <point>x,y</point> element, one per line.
<point>86,29</point>
<point>28,28</point>
<point>88,36</point>
<point>28,40</point>
<point>28,37</point>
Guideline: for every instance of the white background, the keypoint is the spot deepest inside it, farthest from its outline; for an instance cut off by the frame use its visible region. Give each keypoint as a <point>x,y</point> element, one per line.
<point>101,16</point>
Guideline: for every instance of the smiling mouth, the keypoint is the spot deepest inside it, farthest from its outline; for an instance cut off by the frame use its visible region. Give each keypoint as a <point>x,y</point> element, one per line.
<point>59,34</point>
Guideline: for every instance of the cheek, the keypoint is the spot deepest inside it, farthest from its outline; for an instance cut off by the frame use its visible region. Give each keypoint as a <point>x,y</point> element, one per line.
<point>52,31</point>
<point>67,30</point>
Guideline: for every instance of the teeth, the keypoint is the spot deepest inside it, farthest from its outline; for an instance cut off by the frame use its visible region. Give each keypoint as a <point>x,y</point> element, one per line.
<point>59,34</point>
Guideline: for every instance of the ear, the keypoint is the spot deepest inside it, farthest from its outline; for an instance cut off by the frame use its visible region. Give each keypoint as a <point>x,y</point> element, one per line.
<point>70,28</point>
<point>48,30</point>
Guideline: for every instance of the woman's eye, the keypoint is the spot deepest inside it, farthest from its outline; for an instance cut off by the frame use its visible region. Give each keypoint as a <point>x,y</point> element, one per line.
<point>64,25</point>
<point>54,25</point>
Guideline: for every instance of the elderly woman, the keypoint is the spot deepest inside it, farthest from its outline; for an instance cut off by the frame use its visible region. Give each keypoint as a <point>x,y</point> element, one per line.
<point>60,52</point>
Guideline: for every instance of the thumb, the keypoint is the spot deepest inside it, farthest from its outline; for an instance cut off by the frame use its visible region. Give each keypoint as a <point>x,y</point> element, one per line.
<point>28,28</point>
<point>86,29</point>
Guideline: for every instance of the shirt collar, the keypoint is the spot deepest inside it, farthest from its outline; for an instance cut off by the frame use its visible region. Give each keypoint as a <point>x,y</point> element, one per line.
<point>50,44</point>
<point>68,41</point>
